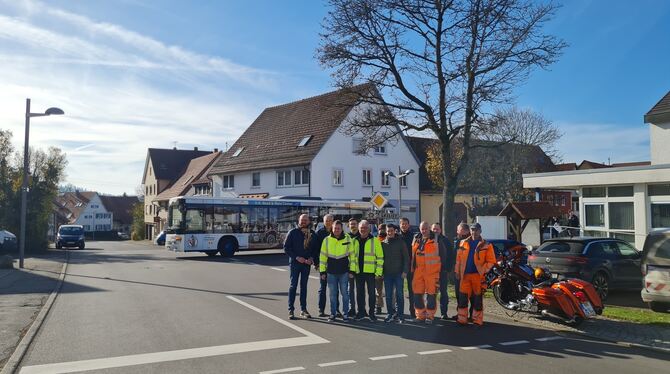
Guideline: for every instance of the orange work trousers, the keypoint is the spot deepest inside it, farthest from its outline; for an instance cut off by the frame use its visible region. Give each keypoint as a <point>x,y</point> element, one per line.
<point>471,289</point>
<point>425,284</point>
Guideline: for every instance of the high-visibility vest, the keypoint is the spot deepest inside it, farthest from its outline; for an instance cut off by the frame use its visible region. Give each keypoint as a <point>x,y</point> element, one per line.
<point>373,257</point>
<point>426,257</point>
<point>484,257</point>
<point>333,248</point>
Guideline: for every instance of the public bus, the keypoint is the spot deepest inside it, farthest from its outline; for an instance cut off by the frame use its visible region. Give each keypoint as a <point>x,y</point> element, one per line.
<point>226,225</point>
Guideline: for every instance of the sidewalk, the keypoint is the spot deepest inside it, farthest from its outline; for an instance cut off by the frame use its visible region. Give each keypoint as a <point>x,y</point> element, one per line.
<point>655,336</point>
<point>22,294</point>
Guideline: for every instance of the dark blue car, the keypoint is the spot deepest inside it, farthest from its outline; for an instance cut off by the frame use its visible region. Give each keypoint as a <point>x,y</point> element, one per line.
<point>70,236</point>
<point>605,262</point>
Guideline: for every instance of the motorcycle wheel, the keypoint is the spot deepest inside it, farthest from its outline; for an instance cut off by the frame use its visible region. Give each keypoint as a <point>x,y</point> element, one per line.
<point>498,294</point>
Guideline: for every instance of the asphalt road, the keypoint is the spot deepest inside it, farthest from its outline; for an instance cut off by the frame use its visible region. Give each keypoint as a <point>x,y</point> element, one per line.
<point>134,308</point>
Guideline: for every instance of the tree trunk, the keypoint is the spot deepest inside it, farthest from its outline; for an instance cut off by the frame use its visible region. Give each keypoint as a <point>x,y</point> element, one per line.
<point>448,191</point>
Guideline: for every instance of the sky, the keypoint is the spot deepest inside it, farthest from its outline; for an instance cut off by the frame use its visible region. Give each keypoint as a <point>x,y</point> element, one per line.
<point>135,74</point>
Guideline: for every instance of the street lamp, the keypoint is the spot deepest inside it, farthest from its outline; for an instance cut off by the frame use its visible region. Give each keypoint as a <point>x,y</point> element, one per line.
<point>24,186</point>
<point>401,174</point>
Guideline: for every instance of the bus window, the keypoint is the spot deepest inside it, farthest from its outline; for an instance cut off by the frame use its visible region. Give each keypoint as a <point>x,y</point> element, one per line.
<point>226,219</point>
<point>194,221</point>
<point>254,219</point>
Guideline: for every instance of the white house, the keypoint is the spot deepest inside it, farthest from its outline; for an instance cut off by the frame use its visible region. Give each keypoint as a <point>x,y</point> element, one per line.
<point>86,209</point>
<point>627,201</point>
<point>300,149</point>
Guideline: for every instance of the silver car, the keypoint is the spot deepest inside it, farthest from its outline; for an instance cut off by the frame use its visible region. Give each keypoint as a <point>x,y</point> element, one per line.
<point>656,269</point>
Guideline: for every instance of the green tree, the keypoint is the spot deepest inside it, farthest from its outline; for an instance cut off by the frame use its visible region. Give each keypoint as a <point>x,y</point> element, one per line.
<point>137,232</point>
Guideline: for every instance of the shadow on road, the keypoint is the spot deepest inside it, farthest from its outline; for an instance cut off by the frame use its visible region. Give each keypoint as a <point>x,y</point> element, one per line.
<point>34,283</point>
<point>627,298</point>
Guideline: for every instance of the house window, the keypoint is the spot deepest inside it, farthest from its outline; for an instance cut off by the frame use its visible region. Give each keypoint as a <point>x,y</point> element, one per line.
<point>620,191</point>
<point>386,179</point>
<point>403,182</point>
<point>367,177</point>
<point>358,146</point>
<point>380,149</point>
<point>238,151</point>
<point>301,177</point>
<point>659,189</point>
<point>304,141</point>
<point>595,215</point>
<point>475,200</point>
<point>660,215</point>
<point>338,177</point>
<point>256,179</point>
<point>228,182</point>
<point>284,178</point>
<point>593,191</point>
<point>485,200</point>
<point>621,216</point>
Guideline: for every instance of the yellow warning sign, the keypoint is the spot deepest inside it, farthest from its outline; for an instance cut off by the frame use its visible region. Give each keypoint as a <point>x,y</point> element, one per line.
<point>378,200</point>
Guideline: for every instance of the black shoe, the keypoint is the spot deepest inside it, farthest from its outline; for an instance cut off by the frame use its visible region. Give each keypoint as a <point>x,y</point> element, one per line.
<point>291,315</point>
<point>322,314</point>
<point>378,310</point>
<point>352,314</point>
<point>339,315</point>
<point>470,319</point>
<point>305,314</point>
<point>359,317</point>
<point>445,317</point>
<point>454,317</point>
<point>331,318</point>
<point>388,318</point>
<point>373,318</point>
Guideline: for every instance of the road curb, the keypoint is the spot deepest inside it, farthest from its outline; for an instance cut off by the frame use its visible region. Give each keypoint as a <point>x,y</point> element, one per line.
<point>15,359</point>
<point>586,334</point>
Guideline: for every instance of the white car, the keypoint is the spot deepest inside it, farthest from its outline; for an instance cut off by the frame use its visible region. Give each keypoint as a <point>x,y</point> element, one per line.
<point>7,241</point>
<point>656,270</point>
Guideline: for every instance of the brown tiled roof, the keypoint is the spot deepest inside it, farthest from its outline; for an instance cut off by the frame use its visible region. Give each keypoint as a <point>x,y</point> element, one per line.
<point>74,203</point>
<point>168,164</point>
<point>586,164</point>
<point>624,164</point>
<point>566,167</point>
<point>660,111</point>
<point>121,207</point>
<point>272,139</point>
<point>195,170</point>
<point>538,160</point>
<point>530,210</point>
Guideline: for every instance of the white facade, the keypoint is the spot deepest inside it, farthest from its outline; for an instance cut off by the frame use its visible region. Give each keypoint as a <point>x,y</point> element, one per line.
<point>337,173</point>
<point>95,217</point>
<point>659,138</point>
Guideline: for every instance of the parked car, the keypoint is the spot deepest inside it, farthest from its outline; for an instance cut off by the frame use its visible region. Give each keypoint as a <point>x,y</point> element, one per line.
<point>123,235</point>
<point>656,271</point>
<point>505,247</point>
<point>70,236</point>
<point>605,262</point>
<point>7,241</point>
<point>160,238</point>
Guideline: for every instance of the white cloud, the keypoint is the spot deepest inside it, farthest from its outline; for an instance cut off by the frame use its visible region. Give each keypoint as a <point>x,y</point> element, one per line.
<point>122,92</point>
<point>603,142</point>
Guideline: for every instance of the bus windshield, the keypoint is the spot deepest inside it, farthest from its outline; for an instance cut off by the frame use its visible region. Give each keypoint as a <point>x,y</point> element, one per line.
<point>185,221</point>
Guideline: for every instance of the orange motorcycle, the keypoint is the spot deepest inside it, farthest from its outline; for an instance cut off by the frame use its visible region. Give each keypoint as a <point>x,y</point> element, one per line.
<point>520,288</point>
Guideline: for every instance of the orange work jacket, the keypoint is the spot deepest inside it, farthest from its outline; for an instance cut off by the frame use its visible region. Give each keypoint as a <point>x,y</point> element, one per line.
<point>428,258</point>
<point>485,257</point>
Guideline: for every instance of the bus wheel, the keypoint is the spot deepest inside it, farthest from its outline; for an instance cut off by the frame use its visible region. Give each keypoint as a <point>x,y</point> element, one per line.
<point>211,253</point>
<point>227,247</point>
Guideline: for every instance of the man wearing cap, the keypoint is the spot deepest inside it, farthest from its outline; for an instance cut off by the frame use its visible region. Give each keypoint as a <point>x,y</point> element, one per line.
<point>474,259</point>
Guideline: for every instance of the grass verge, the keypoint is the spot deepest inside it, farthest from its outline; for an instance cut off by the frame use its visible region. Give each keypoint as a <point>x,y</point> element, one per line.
<point>637,315</point>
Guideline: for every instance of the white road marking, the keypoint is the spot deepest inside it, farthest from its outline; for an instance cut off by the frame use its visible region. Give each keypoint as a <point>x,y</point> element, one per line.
<point>287,370</point>
<point>549,338</point>
<point>184,354</point>
<point>336,363</point>
<point>279,269</point>
<point>516,342</point>
<point>434,352</point>
<point>387,357</point>
<point>476,347</point>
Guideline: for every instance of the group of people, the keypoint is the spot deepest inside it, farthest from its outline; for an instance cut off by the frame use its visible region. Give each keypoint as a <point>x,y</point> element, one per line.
<point>354,263</point>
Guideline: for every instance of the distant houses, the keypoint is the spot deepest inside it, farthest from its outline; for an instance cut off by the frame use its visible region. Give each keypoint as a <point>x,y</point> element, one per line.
<point>95,212</point>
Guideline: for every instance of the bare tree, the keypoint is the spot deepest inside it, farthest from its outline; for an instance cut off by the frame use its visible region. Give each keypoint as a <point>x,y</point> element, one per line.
<point>440,64</point>
<point>526,127</point>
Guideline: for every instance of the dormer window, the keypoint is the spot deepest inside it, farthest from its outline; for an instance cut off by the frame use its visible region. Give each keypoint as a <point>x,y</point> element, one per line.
<point>380,149</point>
<point>304,141</point>
<point>239,150</point>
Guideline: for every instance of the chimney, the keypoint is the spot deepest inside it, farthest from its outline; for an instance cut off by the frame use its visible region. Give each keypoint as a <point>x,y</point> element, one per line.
<point>216,150</point>
<point>195,148</point>
<point>174,148</point>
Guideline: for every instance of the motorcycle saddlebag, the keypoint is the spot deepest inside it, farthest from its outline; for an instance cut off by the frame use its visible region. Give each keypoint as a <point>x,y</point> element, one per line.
<point>589,291</point>
<point>556,299</point>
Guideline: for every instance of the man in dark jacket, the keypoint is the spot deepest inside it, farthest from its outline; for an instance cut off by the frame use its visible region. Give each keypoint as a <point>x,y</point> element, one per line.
<point>447,259</point>
<point>315,247</point>
<point>396,266</point>
<point>407,236</point>
<point>353,233</point>
<point>300,259</point>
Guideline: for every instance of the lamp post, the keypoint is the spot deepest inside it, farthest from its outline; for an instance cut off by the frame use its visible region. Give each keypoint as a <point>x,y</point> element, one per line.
<point>24,186</point>
<point>401,174</point>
